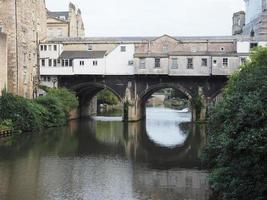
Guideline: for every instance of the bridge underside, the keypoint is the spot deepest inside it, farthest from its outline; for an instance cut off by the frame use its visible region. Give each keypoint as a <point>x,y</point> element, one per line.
<point>134,91</point>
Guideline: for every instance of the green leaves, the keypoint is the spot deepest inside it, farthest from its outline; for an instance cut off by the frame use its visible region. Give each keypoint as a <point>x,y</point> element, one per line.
<point>107,97</point>
<point>237,148</point>
<point>48,111</point>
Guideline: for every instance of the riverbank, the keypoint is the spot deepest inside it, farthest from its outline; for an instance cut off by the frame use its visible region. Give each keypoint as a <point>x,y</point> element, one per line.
<point>26,115</point>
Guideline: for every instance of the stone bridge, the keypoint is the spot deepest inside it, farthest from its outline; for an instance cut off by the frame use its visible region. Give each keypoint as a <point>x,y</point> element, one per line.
<point>134,90</point>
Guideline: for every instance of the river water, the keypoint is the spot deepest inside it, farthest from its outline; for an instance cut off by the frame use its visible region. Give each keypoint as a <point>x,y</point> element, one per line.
<point>106,159</point>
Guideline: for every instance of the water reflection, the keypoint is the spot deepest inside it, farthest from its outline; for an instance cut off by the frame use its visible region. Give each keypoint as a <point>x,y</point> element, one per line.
<point>103,160</point>
<point>167,131</point>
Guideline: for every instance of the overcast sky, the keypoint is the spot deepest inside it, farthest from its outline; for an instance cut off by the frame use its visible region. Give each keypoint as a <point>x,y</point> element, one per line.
<point>154,17</point>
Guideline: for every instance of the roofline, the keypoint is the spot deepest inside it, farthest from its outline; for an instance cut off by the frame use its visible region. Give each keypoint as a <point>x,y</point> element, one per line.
<point>53,17</point>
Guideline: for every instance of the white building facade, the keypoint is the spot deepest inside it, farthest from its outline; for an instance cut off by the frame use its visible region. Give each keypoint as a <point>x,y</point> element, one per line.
<point>165,55</point>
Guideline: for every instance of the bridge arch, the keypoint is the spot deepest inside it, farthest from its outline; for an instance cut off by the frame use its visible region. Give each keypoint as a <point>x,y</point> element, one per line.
<point>146,94</point>
<point>154,88</point>
<point>87,91</point>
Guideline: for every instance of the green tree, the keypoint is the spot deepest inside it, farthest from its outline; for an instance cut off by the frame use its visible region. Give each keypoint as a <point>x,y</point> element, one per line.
<point>66,98</point>
<point>107,97</point>
<point>237,147</point>
<point>20,111</point>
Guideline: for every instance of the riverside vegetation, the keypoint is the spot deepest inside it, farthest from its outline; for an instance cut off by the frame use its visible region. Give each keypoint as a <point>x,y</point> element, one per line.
<point>237,144</point>
<point>33,115</point>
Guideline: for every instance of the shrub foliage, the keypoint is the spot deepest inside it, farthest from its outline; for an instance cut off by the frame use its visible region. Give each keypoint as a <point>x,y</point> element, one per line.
<point>107,97</point>
<point>237,148</point>
<point>31,115</point>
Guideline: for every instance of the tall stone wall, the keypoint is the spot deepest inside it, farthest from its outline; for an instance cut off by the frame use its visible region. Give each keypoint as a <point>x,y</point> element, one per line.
<point>3,62</point>
<point>80,25</point>
<point>24,22</point>
<point>76,27</point>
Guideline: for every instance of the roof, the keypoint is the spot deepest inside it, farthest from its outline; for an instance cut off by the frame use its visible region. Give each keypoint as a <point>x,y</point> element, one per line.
<point>58,14</point>
<point>142,39</point>
<point>189,53</point>
<point>82,54</point>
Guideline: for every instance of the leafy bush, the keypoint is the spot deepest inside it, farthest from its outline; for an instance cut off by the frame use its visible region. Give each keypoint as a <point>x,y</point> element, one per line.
<point>6,124</point>
<point>237,148</point>
<point>51,111</point>
<point>20,111</point>
<point>66,98</point>
<point>48,111</point>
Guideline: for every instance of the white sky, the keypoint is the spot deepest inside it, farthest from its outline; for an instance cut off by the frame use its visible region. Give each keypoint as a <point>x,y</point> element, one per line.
<point>154,17</point>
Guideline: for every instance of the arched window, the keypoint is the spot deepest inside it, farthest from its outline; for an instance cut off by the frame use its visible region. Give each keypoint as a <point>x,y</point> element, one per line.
<point>252,33</point>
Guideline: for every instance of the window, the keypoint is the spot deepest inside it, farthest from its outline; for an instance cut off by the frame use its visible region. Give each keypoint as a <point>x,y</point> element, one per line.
<point>123,48</point>
<point>165,48</point>
<point>189,63</point>
<point>243,61</point>
<point>50,62</point>
<point>59,32</point>
<point>252,33</point>
<point>43,62</point>
<point>174,63</point>
<point>49,47</point>
<point>130,62</point>
<point>62,17</point>
<point>214,62</point>
<point>45,48</point>
<point>58,61</point>
<point>253,45</point>
<point>204,62</point>
<point>63,63</point>
<point>55,47</point>
<point>25,77</point>
<point>42,47</point>
<point>225,62</point>
<point>66,63</point>
<point>90,47</point>
<point>54,62</point>
<point>95,63</point>
<point>70,63</point>
<point>222,48</point>
<point>81,63</point>
<point>142,63</point>
<point>157,62</point>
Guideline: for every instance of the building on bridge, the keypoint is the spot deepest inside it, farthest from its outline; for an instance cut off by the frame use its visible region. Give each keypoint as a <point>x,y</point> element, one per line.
<point>165,55</point>
<point>135,67</point>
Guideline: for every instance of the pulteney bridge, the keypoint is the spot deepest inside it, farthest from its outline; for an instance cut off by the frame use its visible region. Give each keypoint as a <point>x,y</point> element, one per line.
<point>134,91</point>
<point>136,67</point>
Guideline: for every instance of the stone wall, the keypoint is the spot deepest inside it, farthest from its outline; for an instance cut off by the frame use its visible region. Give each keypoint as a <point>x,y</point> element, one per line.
<point>24,22</point>
<point>75,22</point>
<point>256,19</point>
<point>71,26</point>
<point>3,62</point>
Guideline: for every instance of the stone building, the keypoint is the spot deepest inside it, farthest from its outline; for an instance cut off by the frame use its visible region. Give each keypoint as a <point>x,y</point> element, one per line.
<point>24,23</point>
<point>253,22</point>
<point>3,61</point>
<point>65,23</point>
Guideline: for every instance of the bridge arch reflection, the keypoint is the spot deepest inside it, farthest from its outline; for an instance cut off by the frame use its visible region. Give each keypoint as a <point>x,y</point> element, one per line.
<point>132,140</point>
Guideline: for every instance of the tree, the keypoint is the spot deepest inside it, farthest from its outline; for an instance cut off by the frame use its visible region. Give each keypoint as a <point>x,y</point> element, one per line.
<point>107,97</point>
<point>237,147</point>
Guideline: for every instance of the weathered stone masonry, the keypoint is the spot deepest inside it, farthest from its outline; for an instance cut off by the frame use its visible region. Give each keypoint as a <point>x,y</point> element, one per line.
<point>24,23</point>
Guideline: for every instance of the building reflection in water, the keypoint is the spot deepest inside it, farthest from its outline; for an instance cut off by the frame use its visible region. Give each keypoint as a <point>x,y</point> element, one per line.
<point>103,160</point>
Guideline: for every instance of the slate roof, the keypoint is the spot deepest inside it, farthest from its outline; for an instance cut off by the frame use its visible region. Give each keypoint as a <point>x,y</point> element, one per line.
<point>139,39</point>
<point>58,14</point>
<point>82,54</point>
